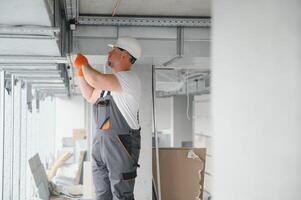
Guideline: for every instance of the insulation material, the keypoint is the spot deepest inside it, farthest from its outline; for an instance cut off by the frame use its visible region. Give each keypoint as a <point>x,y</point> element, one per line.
<point>181,172</point>
<point>69,150</point>
<point>60,162</point>
<point>70,174</point>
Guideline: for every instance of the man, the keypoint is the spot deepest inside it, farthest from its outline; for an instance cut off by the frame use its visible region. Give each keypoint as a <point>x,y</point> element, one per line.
<point>115,98</point>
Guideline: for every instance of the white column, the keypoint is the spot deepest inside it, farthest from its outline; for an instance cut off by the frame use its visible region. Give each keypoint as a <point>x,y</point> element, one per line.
<point>256,97</point>
<point>143,186</point>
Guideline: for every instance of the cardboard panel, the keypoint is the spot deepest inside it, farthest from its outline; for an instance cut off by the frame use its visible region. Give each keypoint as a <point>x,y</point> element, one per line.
<point>179,175</point>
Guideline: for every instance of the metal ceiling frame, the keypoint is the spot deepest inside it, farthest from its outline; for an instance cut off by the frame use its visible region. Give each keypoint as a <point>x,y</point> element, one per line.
<point>29,30</point>
<point>26,59</point>
<point>2,127</point>
<point>28,66</point>
<point>72,9</point>
<point>201,22</point>
<point>191,79</point>
<point>36,37</point>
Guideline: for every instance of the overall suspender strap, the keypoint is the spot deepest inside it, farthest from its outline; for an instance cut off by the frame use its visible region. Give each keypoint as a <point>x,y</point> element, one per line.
<point>102,93</point>
<point>107,107</point>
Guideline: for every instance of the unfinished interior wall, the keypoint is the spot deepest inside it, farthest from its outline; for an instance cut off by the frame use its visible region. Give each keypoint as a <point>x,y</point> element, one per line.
<point>47,127</point>
<point>70,114</point>
<point>182,120</point>
<point>164,109</point>
<point>256,95</point>
<point>165,121</point>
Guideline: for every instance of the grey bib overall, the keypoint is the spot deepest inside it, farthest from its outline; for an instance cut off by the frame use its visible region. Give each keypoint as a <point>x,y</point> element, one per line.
<point>115,152</point>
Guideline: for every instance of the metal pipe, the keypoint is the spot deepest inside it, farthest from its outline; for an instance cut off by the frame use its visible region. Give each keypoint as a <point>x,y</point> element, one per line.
<point>2,127</point>
<point>155,131</point>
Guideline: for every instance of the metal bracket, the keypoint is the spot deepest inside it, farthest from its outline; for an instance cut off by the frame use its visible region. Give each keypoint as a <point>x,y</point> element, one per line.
<point>29,97</point>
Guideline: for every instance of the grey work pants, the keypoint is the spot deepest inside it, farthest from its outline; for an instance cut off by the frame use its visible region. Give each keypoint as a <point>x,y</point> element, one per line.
<point>114,165</point>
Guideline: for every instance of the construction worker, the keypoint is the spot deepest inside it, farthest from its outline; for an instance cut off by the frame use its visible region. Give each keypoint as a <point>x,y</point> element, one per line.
<point>115,98</point>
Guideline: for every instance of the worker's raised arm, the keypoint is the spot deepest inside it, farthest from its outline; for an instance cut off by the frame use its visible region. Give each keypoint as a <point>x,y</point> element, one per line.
<point>94,78</point>
<point>89,93</point>
<point>99,80</point>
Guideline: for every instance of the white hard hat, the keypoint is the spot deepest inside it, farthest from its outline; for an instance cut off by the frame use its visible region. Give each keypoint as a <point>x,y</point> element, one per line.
<point>129,44</point>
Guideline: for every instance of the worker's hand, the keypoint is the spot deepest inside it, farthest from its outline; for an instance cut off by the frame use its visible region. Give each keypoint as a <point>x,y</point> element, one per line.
<point>80,72</point>
<point>80,60</point>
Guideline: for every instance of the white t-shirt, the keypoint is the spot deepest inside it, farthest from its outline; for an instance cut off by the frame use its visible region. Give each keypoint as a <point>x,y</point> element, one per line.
<point>128,99</point>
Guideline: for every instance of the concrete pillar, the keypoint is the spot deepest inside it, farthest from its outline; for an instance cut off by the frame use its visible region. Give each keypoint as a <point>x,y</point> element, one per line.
<point>256,99</point>
<point>143,187</point>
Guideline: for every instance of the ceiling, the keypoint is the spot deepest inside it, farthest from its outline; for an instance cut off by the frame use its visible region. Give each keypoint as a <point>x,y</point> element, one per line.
<point>29,12</point>
<point>182,8</point>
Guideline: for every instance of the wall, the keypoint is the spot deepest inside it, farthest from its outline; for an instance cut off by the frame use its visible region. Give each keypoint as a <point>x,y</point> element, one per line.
<point>256,95</point>
<point>70,114</point>
<point>45,120</point>
<point>182,125</point>
<point>164,109</point>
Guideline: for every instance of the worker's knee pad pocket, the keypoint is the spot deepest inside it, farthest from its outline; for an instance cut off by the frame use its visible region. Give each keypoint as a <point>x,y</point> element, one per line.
<point>135,146</point>
<point>126,142</point>
<point>129,175</point>
<point>131,144</point>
